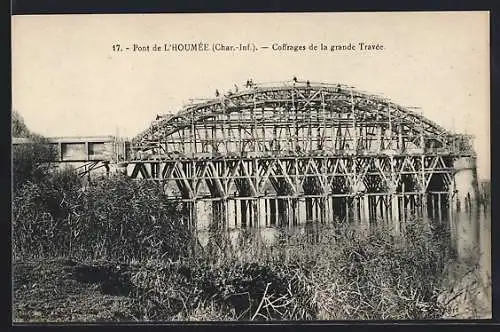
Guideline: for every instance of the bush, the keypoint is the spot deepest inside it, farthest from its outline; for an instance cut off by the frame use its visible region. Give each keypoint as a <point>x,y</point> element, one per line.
<point>115,218</point>
<point>43,214</point>
<point>31,161</point>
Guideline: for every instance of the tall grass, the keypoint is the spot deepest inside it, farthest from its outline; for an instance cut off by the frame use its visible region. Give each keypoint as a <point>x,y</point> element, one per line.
<point>347,275</point>
<point>115,218</point>
<point>332,273</point>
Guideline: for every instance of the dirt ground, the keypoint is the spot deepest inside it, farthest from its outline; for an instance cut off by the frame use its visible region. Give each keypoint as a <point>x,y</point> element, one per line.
<point>61,290</point>
<point>67,291</point>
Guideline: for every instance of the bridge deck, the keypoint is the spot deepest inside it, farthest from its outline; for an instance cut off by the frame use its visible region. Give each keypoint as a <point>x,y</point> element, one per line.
<point>82,148</point>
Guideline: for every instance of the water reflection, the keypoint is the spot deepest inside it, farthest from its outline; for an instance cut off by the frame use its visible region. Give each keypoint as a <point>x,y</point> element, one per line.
<point>471,234</point>
<point>485,250</point>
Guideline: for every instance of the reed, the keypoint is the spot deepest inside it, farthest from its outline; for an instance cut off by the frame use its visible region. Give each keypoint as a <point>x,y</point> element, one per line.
<point>328,273</point>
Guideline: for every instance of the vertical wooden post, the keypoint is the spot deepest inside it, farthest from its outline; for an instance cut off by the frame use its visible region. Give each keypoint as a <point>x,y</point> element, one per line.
<point>277,213</point>
<point>236,214</point>
<point>60,151</point>
<point>366,210</point>
<point>450,206</point>
<point>243,213</point>
<point>395,212</point>
<point>255,212</point>
<point>346,209</point>
<point>262,212</point>
<point>433,206</point>
<point>425,211</point>
<point>440,211</point>
<point>356,209</point>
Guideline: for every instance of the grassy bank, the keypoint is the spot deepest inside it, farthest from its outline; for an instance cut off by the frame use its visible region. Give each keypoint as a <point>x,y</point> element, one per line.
<point>118,251</point>
<point>365,279</point>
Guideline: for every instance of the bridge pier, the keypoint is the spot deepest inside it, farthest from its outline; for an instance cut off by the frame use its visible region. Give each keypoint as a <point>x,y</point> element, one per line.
<point>465,182</point>
<point>282,212</point>
<point>356,206</point>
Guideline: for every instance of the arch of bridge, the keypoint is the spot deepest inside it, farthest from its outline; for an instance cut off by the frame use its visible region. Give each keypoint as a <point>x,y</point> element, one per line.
<point>325,114</point>
<point>292,99</point>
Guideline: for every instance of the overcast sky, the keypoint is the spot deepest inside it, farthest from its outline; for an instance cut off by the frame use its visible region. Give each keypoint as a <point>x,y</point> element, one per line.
<point>68,81</point>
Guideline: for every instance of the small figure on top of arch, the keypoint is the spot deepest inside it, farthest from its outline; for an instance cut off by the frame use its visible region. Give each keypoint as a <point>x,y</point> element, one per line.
<point>217,94</point>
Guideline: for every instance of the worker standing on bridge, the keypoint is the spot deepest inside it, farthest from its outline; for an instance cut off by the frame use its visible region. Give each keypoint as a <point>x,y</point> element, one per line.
<point>295,79</point>
<point>308,84</point>
<point>217,94</point>
<point>235,88</point>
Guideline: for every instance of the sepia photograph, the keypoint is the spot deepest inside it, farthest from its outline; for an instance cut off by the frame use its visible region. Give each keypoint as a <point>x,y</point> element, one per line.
<point>251,167</point>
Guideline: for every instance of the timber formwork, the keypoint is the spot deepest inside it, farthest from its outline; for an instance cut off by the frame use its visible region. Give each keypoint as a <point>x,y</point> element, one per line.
<point>289,153</point>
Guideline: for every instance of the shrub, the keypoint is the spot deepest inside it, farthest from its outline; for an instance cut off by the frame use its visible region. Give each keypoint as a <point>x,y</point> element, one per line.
<point>129,219</point>
<point>31,161</point>
<point>42,214</point>
<point>116,218</point>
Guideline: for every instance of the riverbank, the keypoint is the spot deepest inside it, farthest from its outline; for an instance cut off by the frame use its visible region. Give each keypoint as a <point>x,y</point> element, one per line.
<point>346,275</point>
<point>84,256</point>
<point>465,294</point>
<point>62,290</point>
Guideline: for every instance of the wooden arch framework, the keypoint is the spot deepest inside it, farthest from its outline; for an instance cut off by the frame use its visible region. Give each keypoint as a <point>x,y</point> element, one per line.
<point>299,151</point>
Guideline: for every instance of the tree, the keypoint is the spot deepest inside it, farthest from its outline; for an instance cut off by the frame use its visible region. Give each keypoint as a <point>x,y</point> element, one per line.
<point>19,128</point>
<point>30,160</point>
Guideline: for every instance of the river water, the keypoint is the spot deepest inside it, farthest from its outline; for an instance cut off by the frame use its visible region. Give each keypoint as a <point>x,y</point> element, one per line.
<point>471,237</point>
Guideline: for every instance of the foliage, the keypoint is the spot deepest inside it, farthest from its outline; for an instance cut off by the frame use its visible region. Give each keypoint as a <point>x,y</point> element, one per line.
<point>19,128</point>
<point>116,218</point>
<point>30,161</point>
<point>347,274</point>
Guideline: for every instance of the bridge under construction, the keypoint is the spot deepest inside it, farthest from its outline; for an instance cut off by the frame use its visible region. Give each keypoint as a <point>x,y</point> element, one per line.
<point>297,152</point>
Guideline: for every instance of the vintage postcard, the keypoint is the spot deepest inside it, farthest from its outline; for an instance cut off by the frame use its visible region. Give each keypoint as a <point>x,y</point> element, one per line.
<point>251,167</point>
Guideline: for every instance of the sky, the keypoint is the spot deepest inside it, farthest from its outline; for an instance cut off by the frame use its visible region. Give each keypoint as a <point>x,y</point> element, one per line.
<point>68,81</point>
